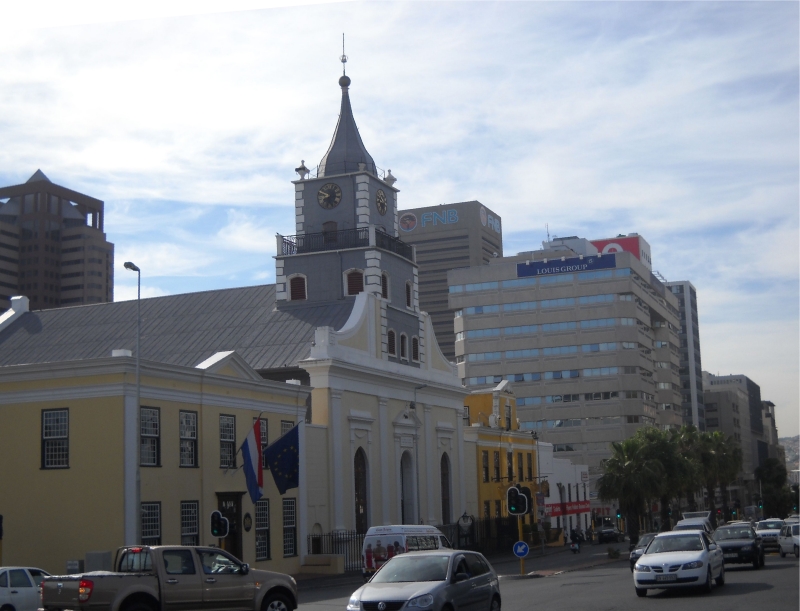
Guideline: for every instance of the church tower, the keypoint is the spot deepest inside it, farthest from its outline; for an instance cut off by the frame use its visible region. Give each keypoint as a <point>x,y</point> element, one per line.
<point>346,240</point>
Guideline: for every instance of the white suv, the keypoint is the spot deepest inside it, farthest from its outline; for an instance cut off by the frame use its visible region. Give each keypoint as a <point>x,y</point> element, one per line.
<point>788,540</point>
<point>19,587</point>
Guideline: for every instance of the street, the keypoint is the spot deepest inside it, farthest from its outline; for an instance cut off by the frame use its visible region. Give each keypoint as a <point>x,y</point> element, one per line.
<point>590,581</point>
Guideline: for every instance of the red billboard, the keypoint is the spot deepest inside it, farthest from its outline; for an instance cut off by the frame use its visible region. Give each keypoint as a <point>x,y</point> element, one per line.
<point>630,245</point>
<point>571,508</point>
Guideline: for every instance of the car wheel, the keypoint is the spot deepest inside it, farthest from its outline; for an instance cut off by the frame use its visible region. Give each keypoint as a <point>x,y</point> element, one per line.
<point>276,602</point>
<point>495,604</point>
<point>781,552</point>
<point>7,608</point>
<point>641,592</point>
<point>709,584</point>
<point>721,579</point>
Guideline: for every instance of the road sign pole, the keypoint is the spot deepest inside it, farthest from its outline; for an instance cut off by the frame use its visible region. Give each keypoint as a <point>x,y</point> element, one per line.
<point>521,560</point>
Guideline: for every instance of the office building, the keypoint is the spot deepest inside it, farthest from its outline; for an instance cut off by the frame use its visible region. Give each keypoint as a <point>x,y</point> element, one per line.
<point>691,369</point>
<point>52,246</point>
<point>590,341</point>
<point>446,237</point>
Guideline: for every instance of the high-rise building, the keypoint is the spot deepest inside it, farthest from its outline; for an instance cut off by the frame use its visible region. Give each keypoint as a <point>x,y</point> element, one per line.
<point>752,415</point>
<point>446,237</point>
<point>691,369</point>
<point>52,246</point>
<point>590,341</point>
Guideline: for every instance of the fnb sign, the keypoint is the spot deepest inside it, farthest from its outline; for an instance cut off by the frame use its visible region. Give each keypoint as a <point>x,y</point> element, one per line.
<point>445,217</point>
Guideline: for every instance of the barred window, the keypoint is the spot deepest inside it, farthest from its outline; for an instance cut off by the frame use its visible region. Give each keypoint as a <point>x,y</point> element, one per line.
<point>262,530</point>
<point>55,438</point>
<point>497,466</point>
<point>289,528</point>
<point>485,466</point>
<point>227,442</point>
<point>264,441</point>
<point>190,532</point>
<point>390,343</point>
<point>150,440</point>
<point>188,436</point>
<point>510,465</point>
<point>151,523</point>
<point>286,426</point>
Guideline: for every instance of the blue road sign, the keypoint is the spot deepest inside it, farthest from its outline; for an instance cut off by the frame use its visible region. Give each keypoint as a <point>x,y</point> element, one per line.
<point>520,549</point>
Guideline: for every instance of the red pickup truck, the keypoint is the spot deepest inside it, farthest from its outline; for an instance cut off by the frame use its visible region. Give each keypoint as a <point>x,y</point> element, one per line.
<point>171,578</point>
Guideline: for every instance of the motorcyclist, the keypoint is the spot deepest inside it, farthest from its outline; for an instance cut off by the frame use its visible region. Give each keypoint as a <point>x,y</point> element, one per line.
<point>575,538</point>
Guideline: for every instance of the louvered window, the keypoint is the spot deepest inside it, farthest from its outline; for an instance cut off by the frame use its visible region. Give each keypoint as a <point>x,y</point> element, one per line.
<point>297,288</point>
<point>384,286</point>
<point>408,294</point>
<point>414,349</point>
<point>355,283</point>
<point>391,343</point>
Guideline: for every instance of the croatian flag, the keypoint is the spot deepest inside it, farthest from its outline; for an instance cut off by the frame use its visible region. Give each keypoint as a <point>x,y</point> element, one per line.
<point>251,452</point>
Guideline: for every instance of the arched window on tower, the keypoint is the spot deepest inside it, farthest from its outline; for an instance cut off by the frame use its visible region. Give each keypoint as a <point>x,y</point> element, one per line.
<point>391,346</point>
<point>355,282</point>
<point>297,288</point>
<point>385,285</point>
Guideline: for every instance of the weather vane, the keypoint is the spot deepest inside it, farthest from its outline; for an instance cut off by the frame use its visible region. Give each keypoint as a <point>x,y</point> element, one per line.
<point>343,58</point>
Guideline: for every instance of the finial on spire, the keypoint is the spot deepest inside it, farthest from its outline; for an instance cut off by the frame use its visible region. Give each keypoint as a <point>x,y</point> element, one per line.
<point>343,58</point>
<point>344,80</point>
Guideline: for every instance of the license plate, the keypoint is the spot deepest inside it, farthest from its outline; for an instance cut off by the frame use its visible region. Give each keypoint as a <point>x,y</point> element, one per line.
<point>666,578</point>
<point>731,555</point>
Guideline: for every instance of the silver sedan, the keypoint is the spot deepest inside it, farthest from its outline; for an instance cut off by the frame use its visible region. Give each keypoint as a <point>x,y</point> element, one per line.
<point>431,581</point>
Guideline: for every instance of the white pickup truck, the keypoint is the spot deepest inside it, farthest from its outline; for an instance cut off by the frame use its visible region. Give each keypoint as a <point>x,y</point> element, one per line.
<point>171,578</point>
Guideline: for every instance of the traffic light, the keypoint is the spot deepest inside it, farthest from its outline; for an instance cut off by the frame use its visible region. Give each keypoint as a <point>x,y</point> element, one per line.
<point>517,502</point>
<point>619,514</point>
<point>526,492</point>
<point>219,525</point>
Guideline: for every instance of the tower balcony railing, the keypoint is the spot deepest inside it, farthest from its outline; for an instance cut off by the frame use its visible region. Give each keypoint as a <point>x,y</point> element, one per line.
<point>342,239</point>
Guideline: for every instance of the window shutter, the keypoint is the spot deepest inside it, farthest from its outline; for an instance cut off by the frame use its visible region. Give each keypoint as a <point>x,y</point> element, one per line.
<point>355,283</point>
<point>408,294</point>
<point>403,351</point>
<point>391,343</point>
<point>384,286</point>
<point>415,348</point>
<point>297,288</point>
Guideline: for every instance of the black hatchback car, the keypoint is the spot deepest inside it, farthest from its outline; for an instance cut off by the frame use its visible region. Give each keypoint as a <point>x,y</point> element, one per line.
<point>740,544</point>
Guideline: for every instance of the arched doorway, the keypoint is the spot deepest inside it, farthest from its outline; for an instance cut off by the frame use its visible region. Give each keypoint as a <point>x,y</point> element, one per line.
<point>360,470</point>
<point>447,517</point>
<point>407,495</point>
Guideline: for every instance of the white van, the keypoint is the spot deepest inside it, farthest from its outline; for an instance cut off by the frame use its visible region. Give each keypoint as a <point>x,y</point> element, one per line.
<point>384,542</point>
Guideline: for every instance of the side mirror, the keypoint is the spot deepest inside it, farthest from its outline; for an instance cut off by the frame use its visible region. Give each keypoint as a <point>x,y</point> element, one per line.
<point>245,569</point>
<point>712,547</point>
<point>460,577</point>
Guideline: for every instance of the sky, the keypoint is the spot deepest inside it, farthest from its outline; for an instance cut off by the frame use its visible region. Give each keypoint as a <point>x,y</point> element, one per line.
<point>676,120</point>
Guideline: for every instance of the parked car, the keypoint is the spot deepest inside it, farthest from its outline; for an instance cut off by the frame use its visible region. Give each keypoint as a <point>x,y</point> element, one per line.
<point>769,531</point>
<point>171,577</point>
<point>434,580</point>
<point>679,559</point>
<point>382,543</point>
<point>740,544</point>
<point>788,540</point>
<point>641,545</point>
<point>19,587</point>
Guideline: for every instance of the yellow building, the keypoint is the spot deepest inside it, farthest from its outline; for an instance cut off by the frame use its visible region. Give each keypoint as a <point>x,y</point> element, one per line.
<point>504,454</point>
<point>70,446</point>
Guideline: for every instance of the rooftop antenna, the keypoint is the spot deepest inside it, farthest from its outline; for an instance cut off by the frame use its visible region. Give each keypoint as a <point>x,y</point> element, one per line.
<point>343,58</point>
<point>547,228</point>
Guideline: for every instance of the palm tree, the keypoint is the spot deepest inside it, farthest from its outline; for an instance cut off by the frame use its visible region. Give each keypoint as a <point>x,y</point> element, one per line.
<point>631,477</point>
<point>710,467</point>
<point>687,439</point>
<point>662,446</point>
<point>729,465</point>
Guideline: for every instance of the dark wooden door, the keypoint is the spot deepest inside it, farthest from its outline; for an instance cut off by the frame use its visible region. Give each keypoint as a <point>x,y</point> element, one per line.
<point>360,470</point>
<point>230,506</point>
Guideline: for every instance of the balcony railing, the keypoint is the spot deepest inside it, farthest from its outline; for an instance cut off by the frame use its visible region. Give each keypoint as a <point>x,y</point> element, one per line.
<point>341,239</point>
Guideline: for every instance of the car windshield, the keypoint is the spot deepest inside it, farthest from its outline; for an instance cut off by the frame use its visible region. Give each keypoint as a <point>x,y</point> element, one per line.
<point>645,539</point>
<point>770,525</point>
<point>685,543</point>
<point>733,533</point>
<point>795,529</point>
<point>413,568</point>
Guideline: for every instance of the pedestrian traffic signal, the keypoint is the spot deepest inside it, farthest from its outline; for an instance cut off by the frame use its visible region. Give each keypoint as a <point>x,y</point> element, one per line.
<point>619,514</point>
<point>517,502</point>
<point>219,525</point>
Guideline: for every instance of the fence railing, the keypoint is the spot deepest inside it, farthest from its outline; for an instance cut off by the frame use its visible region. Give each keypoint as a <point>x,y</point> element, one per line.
<point>341,239</point>
<point>347,543</point>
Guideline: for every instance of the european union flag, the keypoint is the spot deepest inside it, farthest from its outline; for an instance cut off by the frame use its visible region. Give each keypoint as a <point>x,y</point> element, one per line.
<point>283,458</point>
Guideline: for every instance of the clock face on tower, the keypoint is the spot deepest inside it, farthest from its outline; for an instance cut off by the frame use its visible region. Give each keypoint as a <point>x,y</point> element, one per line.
<point>380,201</point>
<point>329,196</point>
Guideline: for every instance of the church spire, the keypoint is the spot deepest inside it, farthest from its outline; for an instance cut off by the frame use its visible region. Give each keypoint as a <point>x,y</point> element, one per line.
<point>346,151</point>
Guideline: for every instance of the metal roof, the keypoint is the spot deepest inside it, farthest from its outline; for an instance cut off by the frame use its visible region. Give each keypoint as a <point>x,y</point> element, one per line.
<point>177,329</point>
<point>346,150</point>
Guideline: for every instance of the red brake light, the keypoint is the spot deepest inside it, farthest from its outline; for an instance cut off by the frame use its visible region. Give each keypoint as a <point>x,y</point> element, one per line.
<point>85,588</point>
<point>135,550</point>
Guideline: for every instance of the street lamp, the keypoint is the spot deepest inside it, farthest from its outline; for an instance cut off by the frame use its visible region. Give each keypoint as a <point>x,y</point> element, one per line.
<point>138,499</point>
